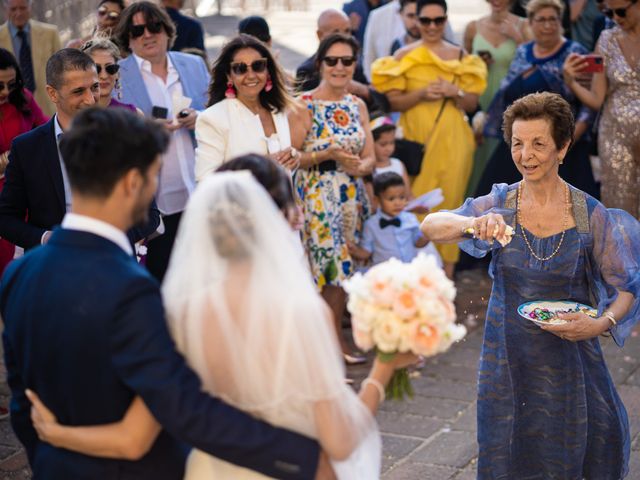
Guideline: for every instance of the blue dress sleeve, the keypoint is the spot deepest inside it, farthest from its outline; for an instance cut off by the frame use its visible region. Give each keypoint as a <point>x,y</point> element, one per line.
<point>476,207</point>
<point>615,254</point>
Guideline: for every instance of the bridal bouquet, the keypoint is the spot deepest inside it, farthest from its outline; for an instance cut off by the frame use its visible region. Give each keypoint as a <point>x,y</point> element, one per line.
<point>403,307</point>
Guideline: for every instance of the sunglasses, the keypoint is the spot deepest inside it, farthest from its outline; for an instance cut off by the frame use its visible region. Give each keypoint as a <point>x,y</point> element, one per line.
<point>111,69</point>
<point>438,21</point>
<point>10,86</point>
<point>618,12</point>
<point>333,61</point>
<point>105,12</point>
<point>153,27</point>
<point>257,66</point>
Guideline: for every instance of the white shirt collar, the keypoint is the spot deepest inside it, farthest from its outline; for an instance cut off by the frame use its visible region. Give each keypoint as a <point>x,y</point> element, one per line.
<point>56,126</point>
<point>145,65</point>
<point>82,223</point>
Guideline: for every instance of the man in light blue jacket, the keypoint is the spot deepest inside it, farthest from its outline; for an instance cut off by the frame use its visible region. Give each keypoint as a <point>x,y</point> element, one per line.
<point>171,86</point>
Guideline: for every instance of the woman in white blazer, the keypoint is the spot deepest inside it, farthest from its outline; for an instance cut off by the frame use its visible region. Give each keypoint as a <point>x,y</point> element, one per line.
<point>247,110</point>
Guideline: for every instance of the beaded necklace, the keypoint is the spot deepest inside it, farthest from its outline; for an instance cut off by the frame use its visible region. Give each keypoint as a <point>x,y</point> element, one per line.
<point>565,223</point>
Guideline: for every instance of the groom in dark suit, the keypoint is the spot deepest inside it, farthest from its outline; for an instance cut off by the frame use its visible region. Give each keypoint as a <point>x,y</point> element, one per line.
<point>85,327</point>
<point>36,194</point>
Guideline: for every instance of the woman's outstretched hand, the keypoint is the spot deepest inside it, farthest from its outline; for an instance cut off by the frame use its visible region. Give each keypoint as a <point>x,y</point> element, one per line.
<point>579,327</point>
<point>488,227</point>
<point>43,419</point>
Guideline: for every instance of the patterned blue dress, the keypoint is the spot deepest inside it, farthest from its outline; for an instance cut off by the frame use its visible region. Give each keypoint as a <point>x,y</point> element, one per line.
<point>334,203</point>
<point>547,407</point>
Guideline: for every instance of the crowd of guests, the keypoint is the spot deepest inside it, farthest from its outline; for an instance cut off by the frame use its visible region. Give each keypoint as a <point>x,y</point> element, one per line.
<point>390,107</point>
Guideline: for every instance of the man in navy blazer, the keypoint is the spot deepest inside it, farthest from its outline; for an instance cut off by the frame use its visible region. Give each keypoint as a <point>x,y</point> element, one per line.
<point>36,194</point>
<point>189,32</point>
<point>85,328</point>
<point>152,76</point>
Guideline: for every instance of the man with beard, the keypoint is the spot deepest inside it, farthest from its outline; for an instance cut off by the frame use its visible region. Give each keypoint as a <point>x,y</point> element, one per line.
<point>37,194</point>
<point>409,14</point>
<point>85,329</point>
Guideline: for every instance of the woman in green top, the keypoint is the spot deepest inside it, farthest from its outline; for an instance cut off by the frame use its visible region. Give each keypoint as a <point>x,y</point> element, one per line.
<point>494,38</point>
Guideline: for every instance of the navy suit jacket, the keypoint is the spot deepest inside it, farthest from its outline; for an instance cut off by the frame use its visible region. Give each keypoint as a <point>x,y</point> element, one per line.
<point>85,329</point>
<point>189,33</point>
<point>363,9</point>
<point>34,188</point>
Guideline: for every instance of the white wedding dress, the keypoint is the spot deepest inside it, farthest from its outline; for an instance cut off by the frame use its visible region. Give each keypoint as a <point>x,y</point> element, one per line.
<point>247,317</point>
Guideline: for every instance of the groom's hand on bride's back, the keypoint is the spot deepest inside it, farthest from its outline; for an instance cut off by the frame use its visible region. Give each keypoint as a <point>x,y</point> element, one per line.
<point>325,470</point>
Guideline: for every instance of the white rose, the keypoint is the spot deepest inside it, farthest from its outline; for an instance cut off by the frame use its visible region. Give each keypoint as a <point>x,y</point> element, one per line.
<point>386,332</point>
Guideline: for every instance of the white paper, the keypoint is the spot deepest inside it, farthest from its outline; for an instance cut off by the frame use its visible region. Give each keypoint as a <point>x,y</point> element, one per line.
<point>179,103</point>
<point>429,200</point>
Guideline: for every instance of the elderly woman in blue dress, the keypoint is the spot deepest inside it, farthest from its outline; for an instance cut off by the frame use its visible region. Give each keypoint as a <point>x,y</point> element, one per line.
<point>547,406</point>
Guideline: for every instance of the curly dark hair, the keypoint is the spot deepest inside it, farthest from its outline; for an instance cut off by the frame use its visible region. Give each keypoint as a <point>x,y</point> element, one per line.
<point>17,97</point>
<point>545,105</point>
<point>276,100</point>
<point>151,13</point>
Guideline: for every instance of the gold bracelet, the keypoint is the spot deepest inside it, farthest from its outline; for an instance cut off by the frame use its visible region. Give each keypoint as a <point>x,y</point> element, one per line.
<point>611,317</point>
<point>378,386</point>
<point>314,157</point>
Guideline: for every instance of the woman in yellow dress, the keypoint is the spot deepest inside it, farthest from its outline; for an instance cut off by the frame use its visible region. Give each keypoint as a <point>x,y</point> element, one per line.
<point>433,83</point>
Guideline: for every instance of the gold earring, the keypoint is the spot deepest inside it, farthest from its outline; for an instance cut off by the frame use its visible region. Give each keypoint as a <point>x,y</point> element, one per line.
<point>560,160</point>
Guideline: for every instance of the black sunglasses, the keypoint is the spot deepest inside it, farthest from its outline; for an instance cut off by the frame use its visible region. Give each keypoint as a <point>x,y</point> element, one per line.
<point>333,61</point>
<point>618,12</point>
<point>438,21</point>
<point>111,69</point>
<point>257,66</point>
<point>10,86</point>
<point>153,27</point>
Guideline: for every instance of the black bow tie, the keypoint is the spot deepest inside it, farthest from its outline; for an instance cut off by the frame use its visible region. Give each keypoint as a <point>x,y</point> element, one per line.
<point>384,223</point>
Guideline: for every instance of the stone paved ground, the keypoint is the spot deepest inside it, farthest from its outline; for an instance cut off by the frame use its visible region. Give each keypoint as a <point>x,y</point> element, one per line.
<point>431,437</point>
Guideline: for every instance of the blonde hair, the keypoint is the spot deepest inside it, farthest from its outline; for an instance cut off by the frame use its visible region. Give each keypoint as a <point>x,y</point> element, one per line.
<point>101,43</point>
<point>534,6</point>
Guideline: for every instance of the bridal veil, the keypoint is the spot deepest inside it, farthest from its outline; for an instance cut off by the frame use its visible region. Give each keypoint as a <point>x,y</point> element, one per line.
<point>246,315</point>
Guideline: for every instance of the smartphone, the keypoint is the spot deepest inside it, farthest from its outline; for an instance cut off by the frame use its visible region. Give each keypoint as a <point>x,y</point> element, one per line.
<point>485,55</point>
<point>159,112</point>
<point>595,64</point>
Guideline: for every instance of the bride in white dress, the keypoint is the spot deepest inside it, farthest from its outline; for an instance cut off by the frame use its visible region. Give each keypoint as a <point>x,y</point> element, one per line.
<point>247,317</point>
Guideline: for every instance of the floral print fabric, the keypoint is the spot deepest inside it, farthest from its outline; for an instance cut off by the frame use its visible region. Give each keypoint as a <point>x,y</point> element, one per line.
<point>334,203</point>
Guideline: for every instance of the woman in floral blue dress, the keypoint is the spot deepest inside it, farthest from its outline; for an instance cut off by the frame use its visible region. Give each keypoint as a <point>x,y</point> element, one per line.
<point>547,406</point>
<point>331,128</point>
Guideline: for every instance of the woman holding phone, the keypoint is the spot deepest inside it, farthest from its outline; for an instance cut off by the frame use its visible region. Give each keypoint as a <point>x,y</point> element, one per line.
<point>617,90</point>
<point>537,67</point>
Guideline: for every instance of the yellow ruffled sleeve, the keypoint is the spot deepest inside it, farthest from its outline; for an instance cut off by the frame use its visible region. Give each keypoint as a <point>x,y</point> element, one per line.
<point>388,74</point>
<point>472,74</point>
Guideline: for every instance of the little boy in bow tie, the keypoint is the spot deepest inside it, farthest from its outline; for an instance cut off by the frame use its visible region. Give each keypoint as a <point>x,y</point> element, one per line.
<point>391,232</point>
